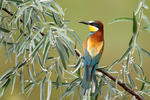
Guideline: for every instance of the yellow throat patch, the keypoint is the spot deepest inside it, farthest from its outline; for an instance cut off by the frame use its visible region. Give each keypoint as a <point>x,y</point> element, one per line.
<point>92,28</point>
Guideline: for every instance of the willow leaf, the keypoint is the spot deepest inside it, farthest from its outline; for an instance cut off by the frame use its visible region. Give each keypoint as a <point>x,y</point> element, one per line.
<point>134,24</point>
<point>124,55</point>
<point>42,89</point>
<point>49,88</point>
<point>13,82</point>
<point>1,4</point>
<point>3,88</point>
<point>4,30</point>
<point>121,19</point>
<point>146,52</point>
<point>47,48</point>
<point>21,81</point>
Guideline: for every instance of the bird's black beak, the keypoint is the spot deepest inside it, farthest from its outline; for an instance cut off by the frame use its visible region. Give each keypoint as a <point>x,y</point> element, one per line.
<point>86,23</point>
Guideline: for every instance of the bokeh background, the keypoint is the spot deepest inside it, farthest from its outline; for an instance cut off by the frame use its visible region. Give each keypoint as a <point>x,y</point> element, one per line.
<point>117,35</point>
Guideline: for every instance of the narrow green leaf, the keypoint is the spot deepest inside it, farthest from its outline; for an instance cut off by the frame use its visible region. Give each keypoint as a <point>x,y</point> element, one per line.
<point>101,86</point>
<point>72,86</point>
<point>62,52</point>
<point>75,36</point>
<point>13,82</point>
<point>139,54</point>
<point>121,19</point>
<point>57,19</point>
<point>30,75</point>
<point>21,81</point>
<point>124,55</point>
<point>127,64</point>
<point>107,82</point>
<point>41,65</point>
<point>131,40</point>
<point>114,63</point>
<point>30,90</point>
<point>16,1</point>
<point>47,6</point>
<point>20,12</point>
<point>59,8</point>
<point>145,81</point>
<point>49,88</point>
<point>123,75</point>
<point>35,50</point>
<point>57,66</point>
<point>139,7</point>
<point>130,80</point>
<point>28,85</point>
<point>134,24</point>
<point>1,4</point>
<point>42,89</point>
<point>3,88</point>
<point>4,30</point>
<point>24,18</point>
<point>47,48</point>
<point>38,5</point>
<point>145,18</point>
<point>29,11</point>
<point>147,27</point>
<point>135,68</point>
<point>146,52</point>
<point>140,68</point>
<point>143,84</point>
<point>6,75</point>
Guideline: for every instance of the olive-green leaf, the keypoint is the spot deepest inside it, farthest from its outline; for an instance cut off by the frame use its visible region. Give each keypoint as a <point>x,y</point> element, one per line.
<point>47,48</point>
<point>135,68</point>
<point>134,24</point>
<point>62,52</point>
<point>146,52</point>
<point>130,80</point>
<point>3,88</point>
<point>139,7</point>
<point>13,82</point>
<point>124,55</point>
<point>49,88</point>
<point>139,54</point>
<point>57,19</point>
<point>30,75</point>
<point>4,30</point>
<point>42,89</point>
<point>21,81</point>
<point>35,50</point>
<point>121,19</point>
<point>1,4</point>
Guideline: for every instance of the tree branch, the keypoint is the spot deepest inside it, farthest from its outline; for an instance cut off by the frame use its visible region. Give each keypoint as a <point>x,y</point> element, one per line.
<point>129,90</point>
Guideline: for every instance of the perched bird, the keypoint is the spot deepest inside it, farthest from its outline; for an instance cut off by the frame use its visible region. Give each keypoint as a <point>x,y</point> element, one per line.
<point>92,51</point>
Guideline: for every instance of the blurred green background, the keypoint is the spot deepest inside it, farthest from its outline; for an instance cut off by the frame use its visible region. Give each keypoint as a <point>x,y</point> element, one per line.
<point>117,35</point>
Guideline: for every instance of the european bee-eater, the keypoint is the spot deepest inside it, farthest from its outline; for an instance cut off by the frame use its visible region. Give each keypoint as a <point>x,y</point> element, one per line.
<point>92,51</point>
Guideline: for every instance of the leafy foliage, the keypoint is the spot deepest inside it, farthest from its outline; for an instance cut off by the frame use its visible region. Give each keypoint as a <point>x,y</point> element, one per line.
<point>35,28</point>
<point>31,31</point>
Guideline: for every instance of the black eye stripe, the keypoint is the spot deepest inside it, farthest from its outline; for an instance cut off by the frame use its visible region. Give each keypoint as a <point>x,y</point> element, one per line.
<point>96,24</point>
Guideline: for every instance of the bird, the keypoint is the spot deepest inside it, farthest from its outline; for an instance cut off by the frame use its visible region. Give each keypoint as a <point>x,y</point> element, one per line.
<point>92,51</point>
